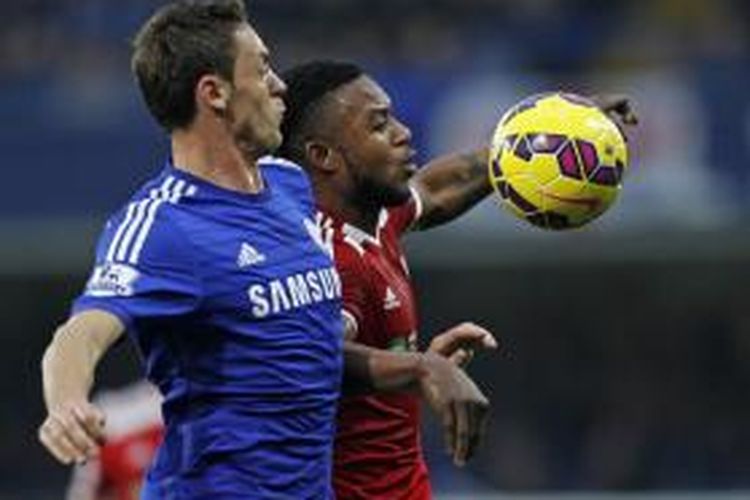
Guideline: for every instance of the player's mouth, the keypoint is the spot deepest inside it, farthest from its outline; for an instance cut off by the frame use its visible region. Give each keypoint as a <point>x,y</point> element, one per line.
<point>280,108</point>
<point>409,163</point>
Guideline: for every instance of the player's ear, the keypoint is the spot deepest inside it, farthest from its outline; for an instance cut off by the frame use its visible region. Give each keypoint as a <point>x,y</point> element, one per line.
<point>214,92</point>
<point>320,156</point>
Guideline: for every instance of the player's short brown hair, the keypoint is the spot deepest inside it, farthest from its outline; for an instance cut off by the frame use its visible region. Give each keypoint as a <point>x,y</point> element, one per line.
<point>177,45</point>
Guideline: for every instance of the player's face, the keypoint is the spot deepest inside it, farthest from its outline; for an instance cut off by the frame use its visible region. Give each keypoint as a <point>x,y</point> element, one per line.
<point>375,145</point>
<point>255,107</point>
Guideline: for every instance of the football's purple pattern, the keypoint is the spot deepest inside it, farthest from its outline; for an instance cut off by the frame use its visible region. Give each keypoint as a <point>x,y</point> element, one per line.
<point>589,158</point>
<point>606,176</point>
<point>568,161</point>
<point>496,170</point>
<point>510,141</point>
<point>578,159</point>
<point>545,143</point>
<point>522,149</point>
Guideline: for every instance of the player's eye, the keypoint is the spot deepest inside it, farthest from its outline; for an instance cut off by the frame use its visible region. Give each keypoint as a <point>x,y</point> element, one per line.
<point>264,68</point>
<point>379,122</point>
<point>380,125</point>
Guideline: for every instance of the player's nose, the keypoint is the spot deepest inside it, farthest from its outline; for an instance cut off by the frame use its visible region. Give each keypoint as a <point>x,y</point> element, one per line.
<point>278,87</point>
<point>403,133</point>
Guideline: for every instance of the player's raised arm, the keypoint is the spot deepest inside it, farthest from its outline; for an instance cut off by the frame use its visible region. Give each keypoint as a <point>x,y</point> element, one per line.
<point>73,429</point>
<point>450,185</point>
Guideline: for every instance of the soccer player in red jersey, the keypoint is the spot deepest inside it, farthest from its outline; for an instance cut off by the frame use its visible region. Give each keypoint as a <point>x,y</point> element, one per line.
<point>340,127</point>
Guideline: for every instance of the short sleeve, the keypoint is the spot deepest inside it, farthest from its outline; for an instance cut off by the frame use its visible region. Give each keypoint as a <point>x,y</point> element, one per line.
<point>356,291</point>
<point>142,272</point>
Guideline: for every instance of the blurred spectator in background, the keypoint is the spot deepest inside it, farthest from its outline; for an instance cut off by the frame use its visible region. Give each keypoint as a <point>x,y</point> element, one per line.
<point>455,64</point>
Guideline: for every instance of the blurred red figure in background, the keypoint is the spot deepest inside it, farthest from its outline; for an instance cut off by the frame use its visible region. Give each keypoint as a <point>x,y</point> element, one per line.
<point>133,432</point>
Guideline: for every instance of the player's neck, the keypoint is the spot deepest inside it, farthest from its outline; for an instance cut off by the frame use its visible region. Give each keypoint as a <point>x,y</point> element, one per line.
<point>216,158</point>
<point>364,218</point>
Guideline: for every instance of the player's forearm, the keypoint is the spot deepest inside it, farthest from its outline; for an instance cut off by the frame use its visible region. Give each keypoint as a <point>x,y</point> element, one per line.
<point>68,368</point>
<point>367,369</point>
<point>71,358</point>
<point>451,185</point>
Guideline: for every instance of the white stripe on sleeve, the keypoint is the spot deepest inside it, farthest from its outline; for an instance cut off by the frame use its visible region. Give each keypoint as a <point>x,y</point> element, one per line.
<point>172,197</point>
<point>120,230</point>
<point>140,216</point>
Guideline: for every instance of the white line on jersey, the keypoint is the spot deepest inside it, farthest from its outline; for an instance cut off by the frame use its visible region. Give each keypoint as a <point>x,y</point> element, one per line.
<point>133,230</point>
<point>129,220</point>
<point>140,215</point>
<point>149,221</point>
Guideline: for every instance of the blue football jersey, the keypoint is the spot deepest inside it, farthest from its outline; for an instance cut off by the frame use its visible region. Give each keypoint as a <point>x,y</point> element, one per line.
<point>234,303</point>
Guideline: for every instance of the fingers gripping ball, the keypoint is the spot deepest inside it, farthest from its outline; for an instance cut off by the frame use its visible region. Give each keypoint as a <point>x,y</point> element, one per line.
<point>557,161</point>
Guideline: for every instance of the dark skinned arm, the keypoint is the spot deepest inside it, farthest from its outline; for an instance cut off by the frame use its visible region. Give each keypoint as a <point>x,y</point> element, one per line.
<point>452,395</point>
<point>451,185</point>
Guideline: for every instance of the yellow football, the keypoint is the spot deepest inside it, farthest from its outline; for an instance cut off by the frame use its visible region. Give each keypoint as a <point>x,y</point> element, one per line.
<point>557,161</point>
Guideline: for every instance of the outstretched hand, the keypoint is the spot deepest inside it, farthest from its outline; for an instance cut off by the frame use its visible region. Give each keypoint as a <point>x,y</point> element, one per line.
<point>461,406</point>
<point>73,432</point>
<point>459,343</point>
<point>619,107</point>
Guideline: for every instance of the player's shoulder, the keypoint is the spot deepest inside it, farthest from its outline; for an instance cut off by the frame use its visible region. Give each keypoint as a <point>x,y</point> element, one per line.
<point>169,188</point>
<point>349,242</point>
<point>353,262</point>
<point>403,217</point>
<point>281,169</point>
<point>150,222</point>
<point>284,176</point>
<point>270,161</point>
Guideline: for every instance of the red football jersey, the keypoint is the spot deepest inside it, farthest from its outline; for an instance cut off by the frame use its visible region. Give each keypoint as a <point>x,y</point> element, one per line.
<point>378,453</point>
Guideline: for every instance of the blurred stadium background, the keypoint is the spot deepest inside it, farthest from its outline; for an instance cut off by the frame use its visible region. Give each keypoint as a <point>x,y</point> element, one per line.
<point>632,337</point>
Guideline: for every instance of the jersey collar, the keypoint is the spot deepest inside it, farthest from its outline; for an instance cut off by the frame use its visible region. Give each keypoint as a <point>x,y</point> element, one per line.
<point>358,235</point>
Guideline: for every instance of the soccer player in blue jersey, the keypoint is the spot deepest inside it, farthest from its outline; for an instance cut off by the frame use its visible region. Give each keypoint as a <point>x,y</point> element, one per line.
<point>217,271</point>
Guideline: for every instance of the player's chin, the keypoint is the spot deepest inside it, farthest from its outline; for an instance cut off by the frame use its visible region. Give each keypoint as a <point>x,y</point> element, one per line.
<point>397,195</point>
<point>272,141</point>
<point>409,169</point>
